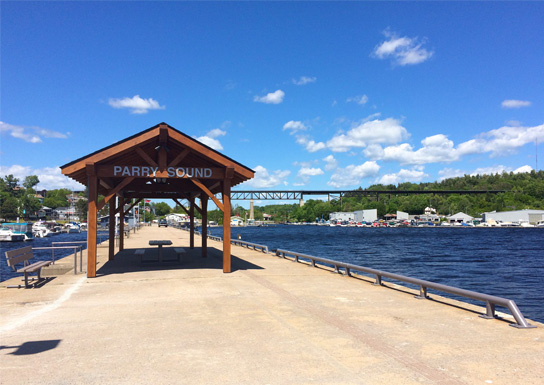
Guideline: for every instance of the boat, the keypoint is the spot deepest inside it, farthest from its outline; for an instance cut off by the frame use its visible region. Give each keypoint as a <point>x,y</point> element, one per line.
<point>540,224</point>
<point>8,235</point>
<point>40,230</point>
<point>72,227</point>
<point>22,228</point>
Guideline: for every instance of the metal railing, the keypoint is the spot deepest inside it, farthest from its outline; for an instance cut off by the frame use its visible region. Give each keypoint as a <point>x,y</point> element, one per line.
<point>254,246</point>
<point>75,248</point>
<point>490,300</point>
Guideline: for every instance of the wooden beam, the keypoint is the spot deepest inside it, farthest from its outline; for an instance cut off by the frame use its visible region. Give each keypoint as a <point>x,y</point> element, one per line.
<point>105,184</point>
<point>209,193</point>
<point>192,224</point>
<point>113,192</point>
<point>92,219</point>
<point>146,157</point>
<point>179,203</point>
<point>226,227</point>
<point>179,158</point>
<point>121,225</point>
<point>204,203</point>
<point>111,231</point>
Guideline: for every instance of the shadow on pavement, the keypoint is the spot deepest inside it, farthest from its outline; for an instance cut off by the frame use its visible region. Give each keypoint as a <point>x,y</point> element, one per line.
<point>126,261</point>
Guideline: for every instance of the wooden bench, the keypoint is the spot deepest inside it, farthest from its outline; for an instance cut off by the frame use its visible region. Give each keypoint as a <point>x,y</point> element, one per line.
<point>179,251</point>
<point>141,253</point>
<point>24,255</point>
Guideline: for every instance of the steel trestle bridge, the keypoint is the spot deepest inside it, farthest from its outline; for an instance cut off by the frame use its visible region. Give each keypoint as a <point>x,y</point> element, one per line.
<point>335,194</point>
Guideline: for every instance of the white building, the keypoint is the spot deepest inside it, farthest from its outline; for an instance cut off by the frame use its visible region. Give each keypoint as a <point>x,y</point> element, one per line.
<point>370,215</point>
<point>342,216</point>
<point>531,216</point>
<point>460,217</point>
<point>402,216</point>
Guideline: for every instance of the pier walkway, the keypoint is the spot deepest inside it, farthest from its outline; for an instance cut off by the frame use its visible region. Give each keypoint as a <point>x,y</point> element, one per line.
<point>270,321</point>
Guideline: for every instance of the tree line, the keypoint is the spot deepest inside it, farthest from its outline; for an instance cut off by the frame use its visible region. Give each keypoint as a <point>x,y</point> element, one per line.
<point>522,191</point>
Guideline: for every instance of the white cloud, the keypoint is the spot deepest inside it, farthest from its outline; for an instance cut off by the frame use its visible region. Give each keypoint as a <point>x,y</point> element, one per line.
<point>136,104</point>
<point>304,80</point>
<point>331,163</point>
<point>306,172</point>
<point>264,179</point>
<point>352,174</point>
<point>438,148</point>
<point>503,141</point>
<point>523,169</point>
<point>515,103</point>
<point>402,50</point>
<point>403,175</point>
<point>375,131</point>
<point>310,145</point>
<point>362,100</point>
<point>294,126</point>
<point>275,97</point>
<point>50,178</point>
<point>30,134</point>
<point>448,173</point>
<point>210,138</point>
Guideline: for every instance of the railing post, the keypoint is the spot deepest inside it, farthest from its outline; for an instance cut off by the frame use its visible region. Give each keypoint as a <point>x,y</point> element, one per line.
<point>489,310</point>
<point>348,272</point>
<point>422,292</point>
<point>378,281</point>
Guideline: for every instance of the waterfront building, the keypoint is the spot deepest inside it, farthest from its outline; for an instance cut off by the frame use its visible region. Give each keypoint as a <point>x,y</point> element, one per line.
<point>460,217</point>
<point>530,216</point>
<point>370,215</point>
<point>342,216</point>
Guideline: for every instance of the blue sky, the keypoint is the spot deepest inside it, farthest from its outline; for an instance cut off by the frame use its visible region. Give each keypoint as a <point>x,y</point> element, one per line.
<point>311,95</point>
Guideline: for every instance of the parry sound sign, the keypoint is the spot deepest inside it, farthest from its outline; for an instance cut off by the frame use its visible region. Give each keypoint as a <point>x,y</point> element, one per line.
<point>156,172</point>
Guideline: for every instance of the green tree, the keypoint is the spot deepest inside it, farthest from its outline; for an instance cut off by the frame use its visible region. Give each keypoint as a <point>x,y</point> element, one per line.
<point>9,209</point>
<point>82,209</point>
<point>30,182</point>
<point>162,209</point>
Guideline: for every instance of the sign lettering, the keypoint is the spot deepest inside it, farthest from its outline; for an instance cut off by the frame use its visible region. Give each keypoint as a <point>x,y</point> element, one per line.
<point>172,172</point>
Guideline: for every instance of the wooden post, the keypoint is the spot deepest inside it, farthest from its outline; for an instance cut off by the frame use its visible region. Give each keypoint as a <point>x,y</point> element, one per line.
<point>226,226</point>
<point>192,223</point>
<point>91,219</point>
<point>204,204</point>
<point>111,230</point>
<point>122,224</point>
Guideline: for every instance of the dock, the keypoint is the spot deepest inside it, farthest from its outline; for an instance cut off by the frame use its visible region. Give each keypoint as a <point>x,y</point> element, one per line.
<point>269,321</point>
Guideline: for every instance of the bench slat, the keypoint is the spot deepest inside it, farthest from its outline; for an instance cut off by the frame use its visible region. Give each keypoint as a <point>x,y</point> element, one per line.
<point>34,267</point>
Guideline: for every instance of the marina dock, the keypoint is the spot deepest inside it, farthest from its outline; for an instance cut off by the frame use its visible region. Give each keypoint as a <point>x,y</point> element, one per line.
<point>269,321</point>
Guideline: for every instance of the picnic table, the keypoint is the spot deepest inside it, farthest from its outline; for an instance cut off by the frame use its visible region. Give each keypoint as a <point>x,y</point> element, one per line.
<point>160,243</point>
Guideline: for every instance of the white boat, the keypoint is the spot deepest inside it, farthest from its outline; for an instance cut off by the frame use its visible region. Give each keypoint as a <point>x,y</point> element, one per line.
<point>7,235</point>
<point>540,224</point>
<point>40,230</point>
<point>22,229</point>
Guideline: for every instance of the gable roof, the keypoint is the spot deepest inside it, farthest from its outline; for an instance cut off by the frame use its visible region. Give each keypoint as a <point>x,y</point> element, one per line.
<point>161,146</point>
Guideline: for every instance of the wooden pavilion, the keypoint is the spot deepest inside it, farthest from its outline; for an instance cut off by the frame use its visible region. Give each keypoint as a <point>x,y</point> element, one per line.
<point>162,163</point>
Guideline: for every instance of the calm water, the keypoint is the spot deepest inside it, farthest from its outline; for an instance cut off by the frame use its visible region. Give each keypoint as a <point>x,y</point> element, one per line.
<point>506,262</point>
<point>7,272</point>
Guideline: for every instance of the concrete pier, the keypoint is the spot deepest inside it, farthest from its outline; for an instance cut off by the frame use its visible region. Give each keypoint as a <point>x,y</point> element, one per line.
<point>270,321</point>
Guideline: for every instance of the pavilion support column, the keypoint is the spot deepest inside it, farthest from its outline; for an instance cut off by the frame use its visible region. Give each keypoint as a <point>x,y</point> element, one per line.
<point>192,223</point>
<point>92,219</point>
<point>226,226</point>
<point>204,204</point>
<point>122,224</point>
<point>111,230</point>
